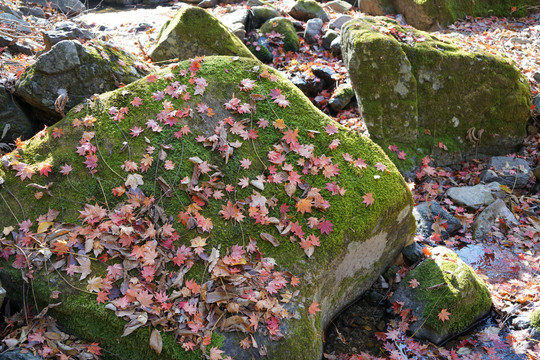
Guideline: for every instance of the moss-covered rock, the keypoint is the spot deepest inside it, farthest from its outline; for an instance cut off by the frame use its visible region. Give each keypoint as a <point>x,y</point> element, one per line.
<point>261,14</point>
<point>363,239</point>
<point>285,27</point>
<point>535,319</point>
<point>308,9</point>
<point>262,49</point>
<point>446,282</point>
<point>195,32</point>
<point>436,14</point>
<point>77,72</point>
<point>416,90</point>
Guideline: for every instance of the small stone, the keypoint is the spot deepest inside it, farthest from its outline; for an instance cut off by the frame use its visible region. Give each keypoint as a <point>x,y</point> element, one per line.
<point>412,253</point>
<point>425,214</point>
<point>472,197</point>
<point>325,73</point>
<point>522,321</point>
<point>338,6</point>
<point>486,219</point>
<point>308,9</point>
<point>32,11</point>
<point>313,30</point>
<point>328,37</point>
<point>512,172</point>
<point>65,30</point>
<point>310,87</point>
<point>261,14</point>
<point>335,46</point>
<point>340,21</point>
<point>536,172</point>
<point>341,97</point>
<point>537,77</point>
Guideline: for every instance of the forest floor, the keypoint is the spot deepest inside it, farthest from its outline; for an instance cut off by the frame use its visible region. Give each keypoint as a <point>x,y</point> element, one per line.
<point>507,261</point>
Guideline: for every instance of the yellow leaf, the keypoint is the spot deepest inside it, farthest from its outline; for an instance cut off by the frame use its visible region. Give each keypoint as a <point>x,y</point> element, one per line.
<point>505,188</point>
<point>44,226</point>
<point>279,124</point>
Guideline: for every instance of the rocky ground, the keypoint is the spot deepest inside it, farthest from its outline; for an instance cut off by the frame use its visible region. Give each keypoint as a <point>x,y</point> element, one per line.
<point>507,256</point>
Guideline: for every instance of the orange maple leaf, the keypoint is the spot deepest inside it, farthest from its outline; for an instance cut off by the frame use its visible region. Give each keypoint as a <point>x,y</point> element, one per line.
<point>304,206</point>
<point>313,308</point>
<point>443,315</point>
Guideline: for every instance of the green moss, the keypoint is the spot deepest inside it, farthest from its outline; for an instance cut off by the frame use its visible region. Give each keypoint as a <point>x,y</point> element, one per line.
<point>195,32</point>
<point>535,319</point>
<point>352,221</point>
<point>420,95</point>
<point>465,295</point>
<point>284,26</point>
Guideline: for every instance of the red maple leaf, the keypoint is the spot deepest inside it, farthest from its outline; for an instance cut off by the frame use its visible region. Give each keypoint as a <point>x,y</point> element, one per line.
<point>137,101</point>
<point>326,227</point>
<point>368,199</point>
<point>44,168</point>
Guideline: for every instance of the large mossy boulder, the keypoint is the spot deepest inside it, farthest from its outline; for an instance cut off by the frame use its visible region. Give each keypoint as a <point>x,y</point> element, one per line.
<point>74,73</point>
<point>444,282</point>
<point>416,90</point>
<point>195,32</point>
<point>320,201</point>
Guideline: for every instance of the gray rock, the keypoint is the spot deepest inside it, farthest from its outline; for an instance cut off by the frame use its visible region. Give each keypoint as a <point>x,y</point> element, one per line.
<point>472,197</point>
<point>412,253</point>
<point>522,321</point>
<point>261,14</point>
<point>310,87</point>
<point>237,22</point>
<point>52,63</point>
<point>328,37</point>
<point>12,117</point>
<point>536,172</point>
<point>18,355</point>
<point>207,4</point>
<point>496,190</point>
<point>65,30</point>
<point>14,46</point>
<point>5,8</point>
<point>340,21</point>
<point>341,97</point>
<point>425,214</point>
<point>462,292</point>
<point>308,9</point>
<point>14,22</point>
<point>486,219</point>
<point>313,30</point>
<point>67,7</point>
<point>78,71</point>
<point>537,77</point>
<point>325,73</point>
<point>512,172</point>
<point>32,11</point>
<point>335,46</point>
<point>338,6</point>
